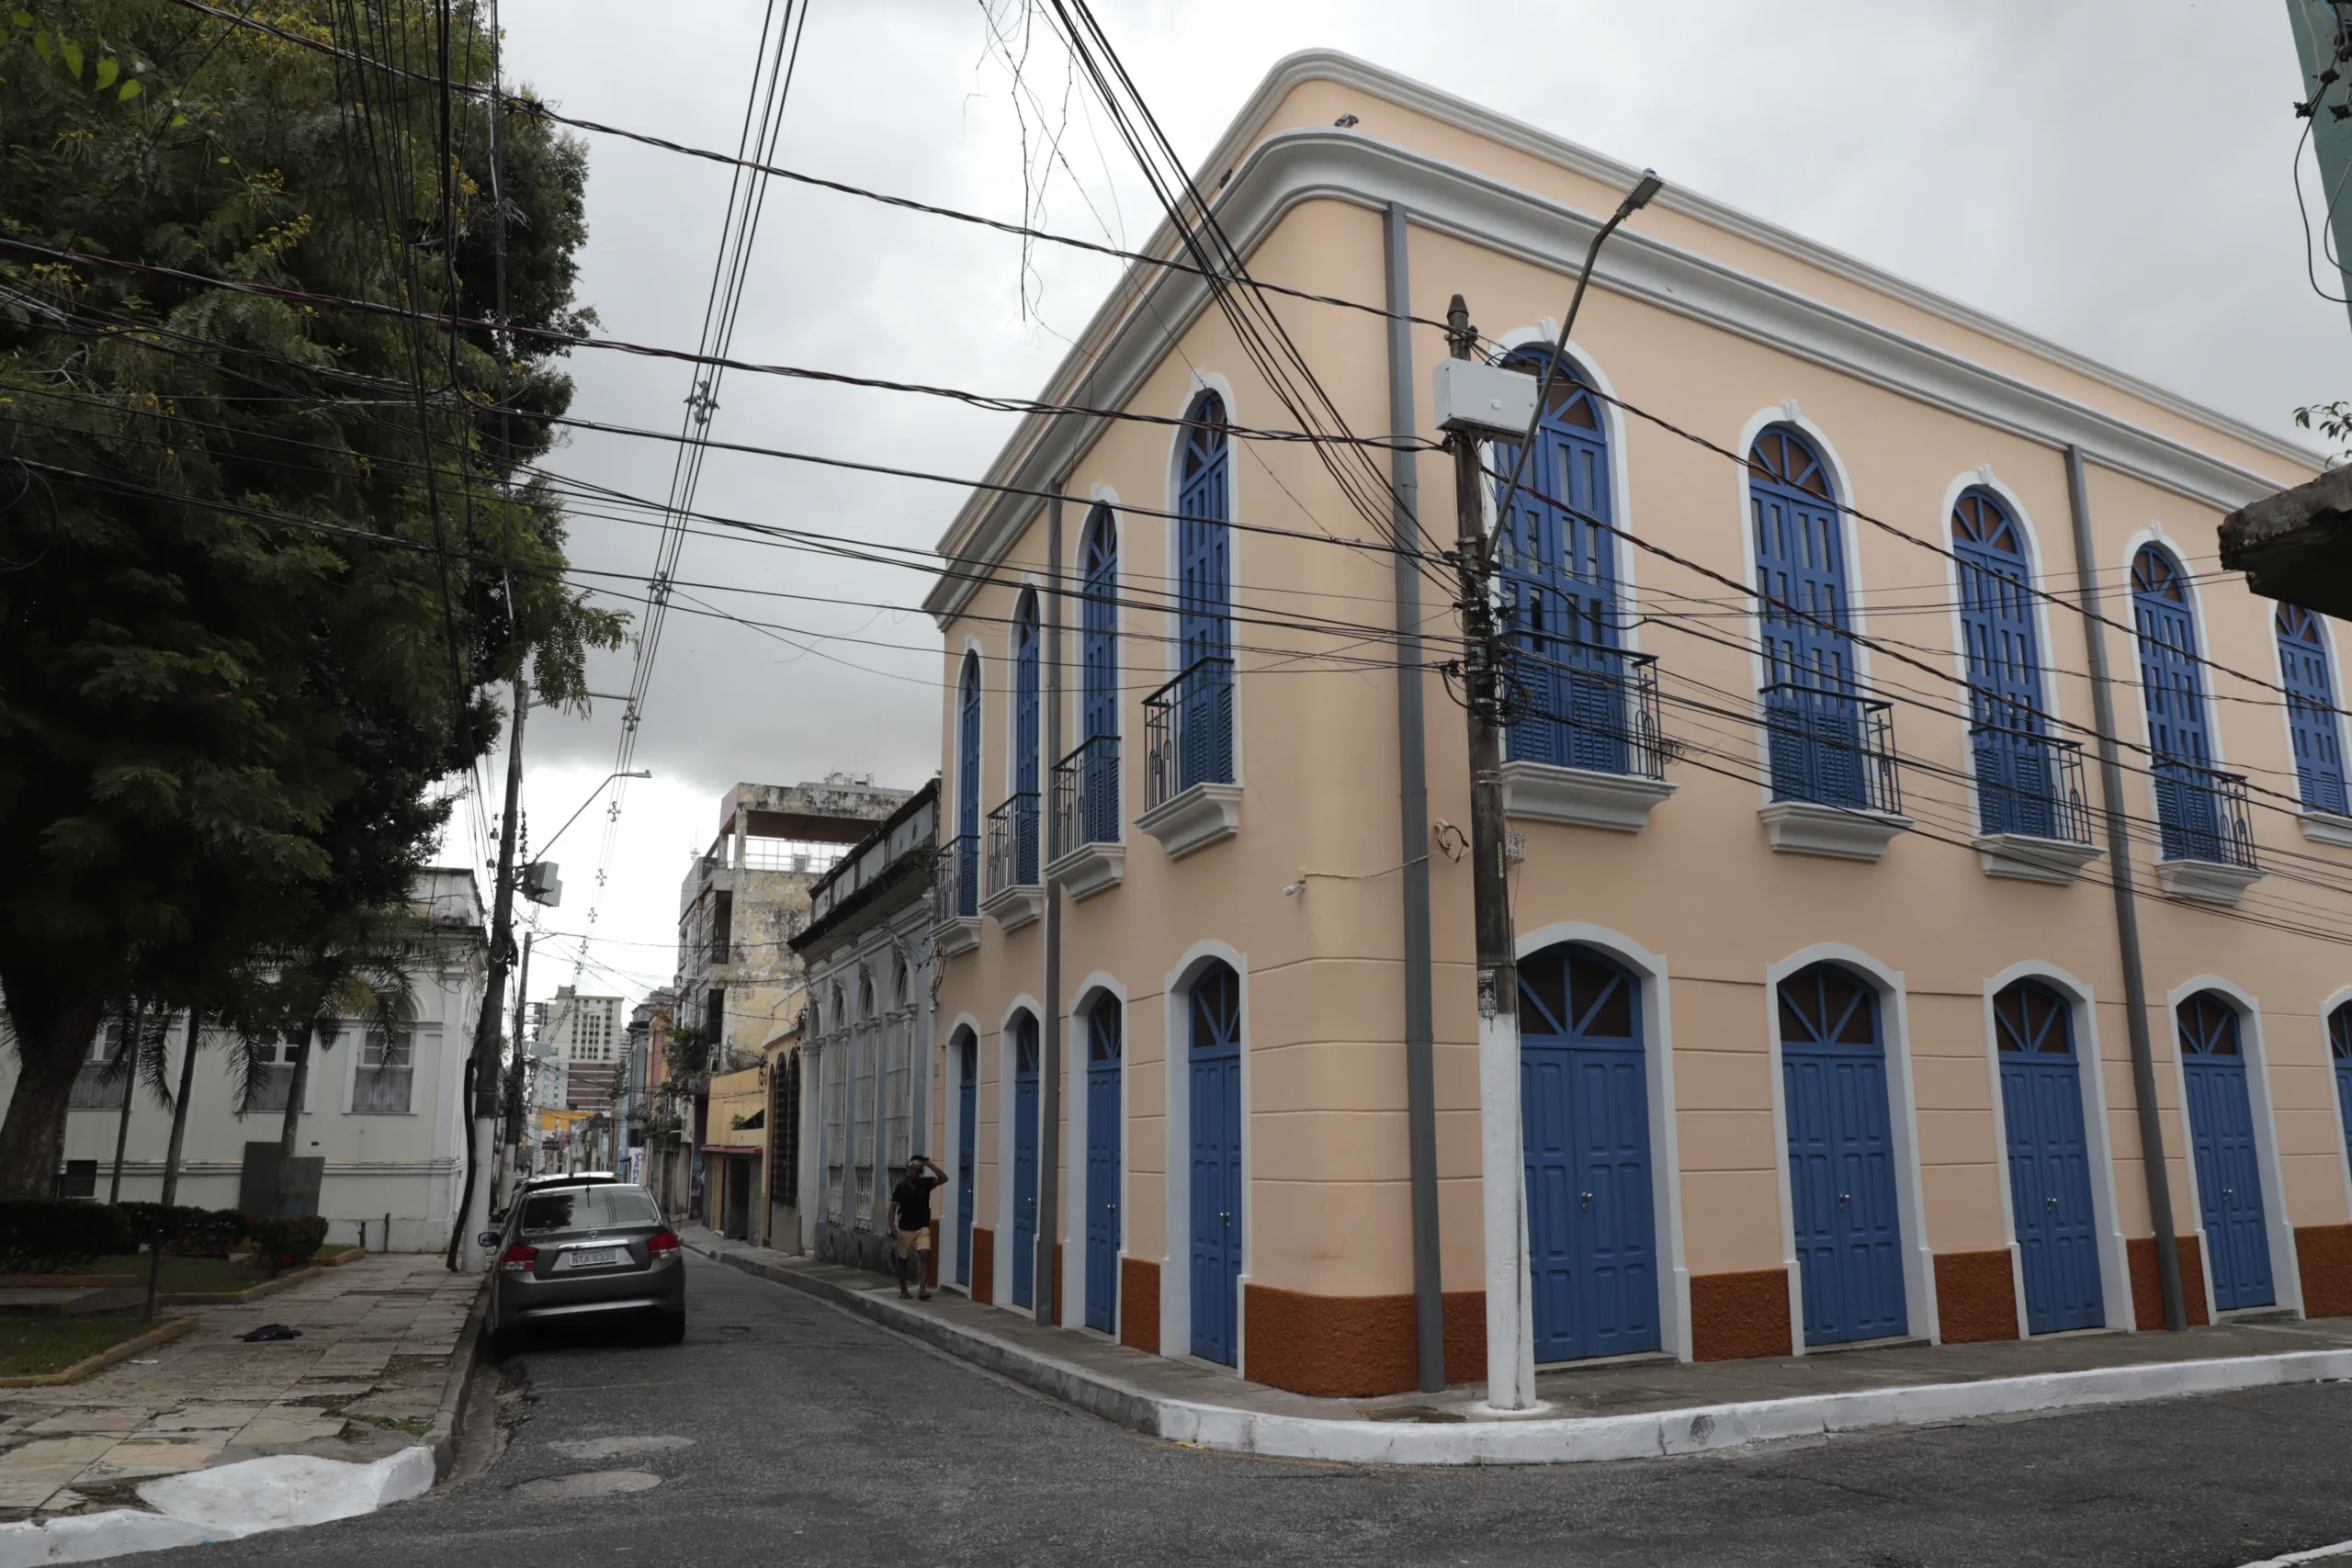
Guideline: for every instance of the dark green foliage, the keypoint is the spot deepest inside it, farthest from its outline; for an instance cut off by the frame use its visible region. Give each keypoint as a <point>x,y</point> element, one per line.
<point>38,1236</point>
<point>186,1232</point>
<point>288,1242</point>
<point>261,563</point>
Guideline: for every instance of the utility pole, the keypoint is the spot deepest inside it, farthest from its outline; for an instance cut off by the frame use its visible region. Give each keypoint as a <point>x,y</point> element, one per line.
<point>482,1085</point>
<point>2324,43</point>
<point>511,1083</point>
<point>1510,1364</point>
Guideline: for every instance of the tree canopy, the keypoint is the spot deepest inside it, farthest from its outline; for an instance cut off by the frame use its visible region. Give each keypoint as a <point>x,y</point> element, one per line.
<point>262,558</point>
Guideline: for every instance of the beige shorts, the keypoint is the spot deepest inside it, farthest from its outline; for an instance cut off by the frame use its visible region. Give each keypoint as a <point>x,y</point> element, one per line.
<point>912,1242</point>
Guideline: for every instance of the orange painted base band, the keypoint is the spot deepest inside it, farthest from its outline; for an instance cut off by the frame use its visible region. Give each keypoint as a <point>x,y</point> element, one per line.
<point>1352,1346</point>
<point>1738,1315</point>
<point>1139,1304</point>
<point>2147,1294</point>
<point>2323,1256</point>
<point>983,1265</point>
<point>1976,1297</point>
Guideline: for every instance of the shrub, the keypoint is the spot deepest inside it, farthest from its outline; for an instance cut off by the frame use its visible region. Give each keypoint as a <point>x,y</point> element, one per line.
<point>38,1236</point>
<point>288,1242</point>
<point>187,1233</point>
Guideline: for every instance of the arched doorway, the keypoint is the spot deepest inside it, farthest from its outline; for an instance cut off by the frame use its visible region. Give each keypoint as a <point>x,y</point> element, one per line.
<point>1105,1049</point>
<point>2221,1144</point>
<point>1213,1008</point>
<point>1024,1029</point>
<point>1842,1208</point>
<point>1584,1098</point>
<point>2049,1167</point>
<point>968,1119</point>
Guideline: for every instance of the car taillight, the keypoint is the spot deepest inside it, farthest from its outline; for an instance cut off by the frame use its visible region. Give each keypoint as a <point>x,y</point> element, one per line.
<point>661,1245</point>
<point>518,1259</point>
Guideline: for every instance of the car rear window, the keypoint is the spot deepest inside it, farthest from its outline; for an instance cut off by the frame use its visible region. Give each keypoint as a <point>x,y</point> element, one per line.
<point>588,1208</point>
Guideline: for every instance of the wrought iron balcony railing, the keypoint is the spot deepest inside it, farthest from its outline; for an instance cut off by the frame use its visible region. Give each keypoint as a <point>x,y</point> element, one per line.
<point>1189,729</point>
<point>1832,748</point>
<point>2203,815</point>
<point>1013,843</point>
<point>1086,796</point>
<point>1579,704</point>
<point>955,879</point>
<point>2029,783</point>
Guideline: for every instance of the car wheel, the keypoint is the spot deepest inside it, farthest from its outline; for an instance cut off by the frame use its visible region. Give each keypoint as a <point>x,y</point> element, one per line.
<point>502,1344</point>
<point>670,1329</point>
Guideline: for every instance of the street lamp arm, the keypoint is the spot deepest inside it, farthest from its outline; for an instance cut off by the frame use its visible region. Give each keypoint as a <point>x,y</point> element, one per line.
<point>636,773</point>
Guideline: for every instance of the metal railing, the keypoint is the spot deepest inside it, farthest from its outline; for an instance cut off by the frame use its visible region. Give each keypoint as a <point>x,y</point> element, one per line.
<point>1013,843</point>
<point>2030,784</point>
<point>2203,813</point>
<point>1832,748</point>
<point>955,879</point>
<point>1189,730</point>
<point>1586,706</point>
<point>1086,796</point>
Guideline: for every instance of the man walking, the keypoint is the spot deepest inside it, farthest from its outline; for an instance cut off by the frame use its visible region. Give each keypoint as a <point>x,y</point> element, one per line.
<point>910,1221</point>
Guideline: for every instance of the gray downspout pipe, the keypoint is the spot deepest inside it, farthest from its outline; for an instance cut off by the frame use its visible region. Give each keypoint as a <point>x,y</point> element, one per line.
<point>1044,1291</point>
<point>1413,822</point>
<point>2127,913</point>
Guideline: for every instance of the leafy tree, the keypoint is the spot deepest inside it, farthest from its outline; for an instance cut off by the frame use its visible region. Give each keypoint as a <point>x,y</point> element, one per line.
<point>262,559</point>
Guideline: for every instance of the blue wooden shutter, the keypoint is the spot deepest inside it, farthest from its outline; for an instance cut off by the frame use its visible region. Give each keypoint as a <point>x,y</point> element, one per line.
<point>1024,740</point>
<point>1205,564</point>
<point>2050,1184</point>
<point>2015,780</point>
<point>1843,1208</point>
<point>2173,687</point>
<point>1560,587</point>
<point>967,792</point>
<point>1099,567</point>
<point>2311,709</point>
<point>1216,1134</point>
<point>2224,1151</point>
<point>1811,695</point>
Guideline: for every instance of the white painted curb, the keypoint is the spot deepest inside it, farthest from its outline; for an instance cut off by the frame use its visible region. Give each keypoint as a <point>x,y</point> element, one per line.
<point>1655,1435</point>
<point>278,1491</point>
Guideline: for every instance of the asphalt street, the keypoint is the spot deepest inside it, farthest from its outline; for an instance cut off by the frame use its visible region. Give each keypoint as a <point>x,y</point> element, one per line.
<point>784,1431</point>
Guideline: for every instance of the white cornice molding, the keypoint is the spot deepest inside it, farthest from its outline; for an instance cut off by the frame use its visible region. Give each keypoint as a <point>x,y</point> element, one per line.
<point>1129,335</point>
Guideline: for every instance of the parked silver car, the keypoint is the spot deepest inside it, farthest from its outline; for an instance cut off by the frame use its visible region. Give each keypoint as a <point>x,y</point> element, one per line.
<point>577,1251</point>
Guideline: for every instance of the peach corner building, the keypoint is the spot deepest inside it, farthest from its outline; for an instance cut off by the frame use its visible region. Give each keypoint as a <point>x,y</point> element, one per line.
<point>1817,815</point>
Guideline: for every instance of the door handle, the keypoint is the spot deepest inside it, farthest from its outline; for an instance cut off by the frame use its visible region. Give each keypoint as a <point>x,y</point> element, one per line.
<point>1587,1201</point>
<point>1845,1200</point>
<point>2229,1191</point>
<point>2051,1203</point>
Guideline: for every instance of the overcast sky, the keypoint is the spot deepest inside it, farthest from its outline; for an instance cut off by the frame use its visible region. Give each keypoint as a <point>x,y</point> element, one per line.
<point>2115,177</point>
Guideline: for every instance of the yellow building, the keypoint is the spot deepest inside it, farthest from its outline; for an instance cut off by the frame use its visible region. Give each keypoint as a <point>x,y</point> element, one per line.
<point>1825,1034</point>
<point>734,1153</point>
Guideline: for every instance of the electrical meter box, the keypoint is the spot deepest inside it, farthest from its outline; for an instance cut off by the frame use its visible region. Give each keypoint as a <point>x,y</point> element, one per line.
<point>1484,400</point>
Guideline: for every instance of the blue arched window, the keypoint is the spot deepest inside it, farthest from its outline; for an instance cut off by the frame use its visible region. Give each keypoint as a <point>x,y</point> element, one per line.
<point>1093,818</point>
<point>1826,741</point>
<point>1191,716</point>
<point>967,789</point>
<point>1569,689</point>
<point>1021,809</point>
<point>2191,810</point>
<point>2311,709</point>
<point>2018,774</point>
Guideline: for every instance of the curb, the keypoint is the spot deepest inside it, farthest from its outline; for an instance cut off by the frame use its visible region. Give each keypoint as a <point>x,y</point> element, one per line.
<point>1564,1439</point>
<point>236,1298</point>
<point>163,1333</point>
<point>457,1387</point>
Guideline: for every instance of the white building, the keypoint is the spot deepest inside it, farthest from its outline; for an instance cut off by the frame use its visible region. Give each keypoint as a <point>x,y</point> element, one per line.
<point>380,1108</point>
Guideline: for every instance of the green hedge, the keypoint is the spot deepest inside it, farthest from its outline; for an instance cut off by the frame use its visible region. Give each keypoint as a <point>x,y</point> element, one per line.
<point>188,1232</point>
<point>287,1243</point>
<point>41,1236</point>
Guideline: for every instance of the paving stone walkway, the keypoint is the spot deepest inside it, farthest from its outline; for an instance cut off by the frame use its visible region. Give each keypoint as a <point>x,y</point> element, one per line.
<point>364,1381</point>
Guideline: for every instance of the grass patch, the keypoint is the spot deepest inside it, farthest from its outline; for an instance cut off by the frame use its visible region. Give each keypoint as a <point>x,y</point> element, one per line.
<point>207,1274</point>
<point>32,1347</point>
<point>329,1254</point>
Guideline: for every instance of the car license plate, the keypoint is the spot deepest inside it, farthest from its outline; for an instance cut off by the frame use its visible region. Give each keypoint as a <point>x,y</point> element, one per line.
<point>593,1257</point>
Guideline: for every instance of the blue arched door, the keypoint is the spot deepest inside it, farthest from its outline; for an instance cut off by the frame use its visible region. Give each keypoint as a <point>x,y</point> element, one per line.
<point>1024,1158</point>
<point>967,1132</point>
<point>968,790</point>
<point>1214,1007</point>
<point>2339,1052</point>
<point>1098,809</point>
<point>1104,1050</point>
<point>2014,773</point>
<point>1204,625</point>
<point>2049,1167</point>
<point>1560,587</point>
<point>2221,1137</point>
<point>2311,709</point>
<point>1584,1099</point>
<point>1026,701</point>
<point>1841,1158</point>
<point>2172,684</point>
<point>1812,696</point>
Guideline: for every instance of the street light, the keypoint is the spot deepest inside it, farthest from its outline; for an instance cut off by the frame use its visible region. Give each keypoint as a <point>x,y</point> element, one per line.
<point>634,773</point>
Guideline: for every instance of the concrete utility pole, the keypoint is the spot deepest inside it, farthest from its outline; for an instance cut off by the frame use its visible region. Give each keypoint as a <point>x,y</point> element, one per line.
<point>482,1087</point>
<point>1510,1354</point>
<point>510,1084</point>
<point>2324,44</point>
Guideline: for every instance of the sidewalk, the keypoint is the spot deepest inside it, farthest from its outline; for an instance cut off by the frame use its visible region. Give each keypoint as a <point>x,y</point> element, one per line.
<point>366,1380</point>
<point>1636,1408</point>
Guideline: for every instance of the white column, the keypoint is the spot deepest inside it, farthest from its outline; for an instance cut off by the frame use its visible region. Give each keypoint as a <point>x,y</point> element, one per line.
<point>1510,1343</point>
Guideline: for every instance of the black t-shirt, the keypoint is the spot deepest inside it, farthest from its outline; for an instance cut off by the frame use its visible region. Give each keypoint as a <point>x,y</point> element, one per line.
<point>913,1198</point>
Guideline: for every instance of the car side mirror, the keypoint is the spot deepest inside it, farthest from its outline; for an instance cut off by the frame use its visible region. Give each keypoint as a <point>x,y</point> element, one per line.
<point>488,1239</point>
